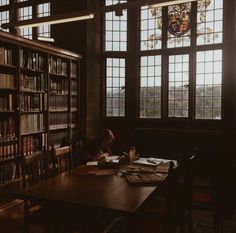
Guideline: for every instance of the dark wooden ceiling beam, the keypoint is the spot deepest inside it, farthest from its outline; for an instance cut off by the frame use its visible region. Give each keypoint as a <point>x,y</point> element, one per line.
<point>99,10</point>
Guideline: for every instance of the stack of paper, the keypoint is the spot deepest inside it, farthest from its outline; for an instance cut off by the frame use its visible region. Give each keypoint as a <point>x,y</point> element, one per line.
<point>146,178</point>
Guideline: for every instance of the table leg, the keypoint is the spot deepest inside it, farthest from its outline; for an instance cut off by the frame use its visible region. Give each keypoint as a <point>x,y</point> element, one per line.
<point>26,217</point>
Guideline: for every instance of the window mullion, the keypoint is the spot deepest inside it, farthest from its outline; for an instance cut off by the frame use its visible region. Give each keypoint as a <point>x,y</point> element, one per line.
<point>132,65</point>
<point>192,61</point>
<point>164,105</point>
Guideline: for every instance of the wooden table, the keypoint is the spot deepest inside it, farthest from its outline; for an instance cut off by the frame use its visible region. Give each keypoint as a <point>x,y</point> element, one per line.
<point>110,192</point>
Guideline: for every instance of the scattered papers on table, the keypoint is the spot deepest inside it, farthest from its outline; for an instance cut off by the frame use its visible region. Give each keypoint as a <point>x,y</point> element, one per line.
<point>146,178</point>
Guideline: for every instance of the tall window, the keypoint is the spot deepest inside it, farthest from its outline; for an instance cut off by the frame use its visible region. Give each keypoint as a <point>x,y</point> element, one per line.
<point>150,86</point>
<point>43,10</point>
<point>115,87</point>
<point>208,84</point>
<point>115,41</point>
<point>25,13</point>
<point>178,86</point>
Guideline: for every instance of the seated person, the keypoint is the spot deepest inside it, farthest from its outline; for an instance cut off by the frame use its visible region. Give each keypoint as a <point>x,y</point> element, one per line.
<point>100,146</point>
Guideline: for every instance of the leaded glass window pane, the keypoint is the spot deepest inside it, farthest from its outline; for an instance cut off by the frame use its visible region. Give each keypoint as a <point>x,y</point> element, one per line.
<point>209,22</point>
<point>209,84</point>
<point>179,29</point>
<point>115,29</point>
<point>4,18</point>
<point>4,2</point>
<point>115,87</point>
<point>150,28</point>
<point>178,86</point>
<point>24,14</point>
<point>43,11</point>
<point>150,87</point>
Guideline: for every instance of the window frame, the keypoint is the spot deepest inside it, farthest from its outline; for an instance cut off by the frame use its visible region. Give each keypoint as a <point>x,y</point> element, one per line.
<point>165,52</point>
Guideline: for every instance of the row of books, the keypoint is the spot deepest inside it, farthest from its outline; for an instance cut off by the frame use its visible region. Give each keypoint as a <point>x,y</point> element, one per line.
<point>74,87</point>
<point>74,119</point>
<point>59,138</point>
<point>73,70</point>
<point>58,120</point>
<point>31,123</point>
<point>59,86</point>
<point>57,66</point>
<point>6,102</point>
<point>8,147</point>
<point>7,81</point>
<point>31,60</point>
<point>6,56</point>
<point>7,127</point>
<point>74,103</point>
<point>32,102</point>
<point>32,83</point>
<point>58,103</point>
<point>32,144</point>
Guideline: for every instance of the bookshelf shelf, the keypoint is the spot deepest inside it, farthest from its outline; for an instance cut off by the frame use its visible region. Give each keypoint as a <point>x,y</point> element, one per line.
<point>59,110</point>
<point>36,92</point>
<point>7,89</point>
<point>8,138</point>
<point>30,112</point>
<point>53,75</point>
<point>8,67</point>
<point>30,71</point>
<point>31,133</point>
<point>6,111</point>
<point>58,128</point>
<point>59,94</point>
<point>31,91</point>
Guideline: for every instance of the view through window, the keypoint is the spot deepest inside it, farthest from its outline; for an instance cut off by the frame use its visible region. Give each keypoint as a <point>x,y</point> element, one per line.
<point>188,38</point>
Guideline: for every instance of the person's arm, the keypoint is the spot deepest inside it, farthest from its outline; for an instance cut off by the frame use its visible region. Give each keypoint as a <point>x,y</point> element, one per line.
<point>93,151</point>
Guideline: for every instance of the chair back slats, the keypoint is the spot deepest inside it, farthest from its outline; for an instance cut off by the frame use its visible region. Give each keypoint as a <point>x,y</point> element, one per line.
<point>62,150</point>
<point>34,168</point>
<point>62,159</point>
<point>183,193</point>
<point>7,170</point>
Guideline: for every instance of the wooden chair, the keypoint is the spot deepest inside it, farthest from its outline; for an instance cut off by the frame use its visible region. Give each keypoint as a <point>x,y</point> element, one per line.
<point>62,159</point>
<point>34,168</point>
<point>7,170</point>
<point>182,209</point>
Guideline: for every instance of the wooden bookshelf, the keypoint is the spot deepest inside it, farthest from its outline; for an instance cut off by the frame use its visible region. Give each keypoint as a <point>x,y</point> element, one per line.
<point>39,96</point>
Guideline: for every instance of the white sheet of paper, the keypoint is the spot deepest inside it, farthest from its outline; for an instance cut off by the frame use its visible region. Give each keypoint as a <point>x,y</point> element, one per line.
<point>92,163</point>
<point>144,161</point>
